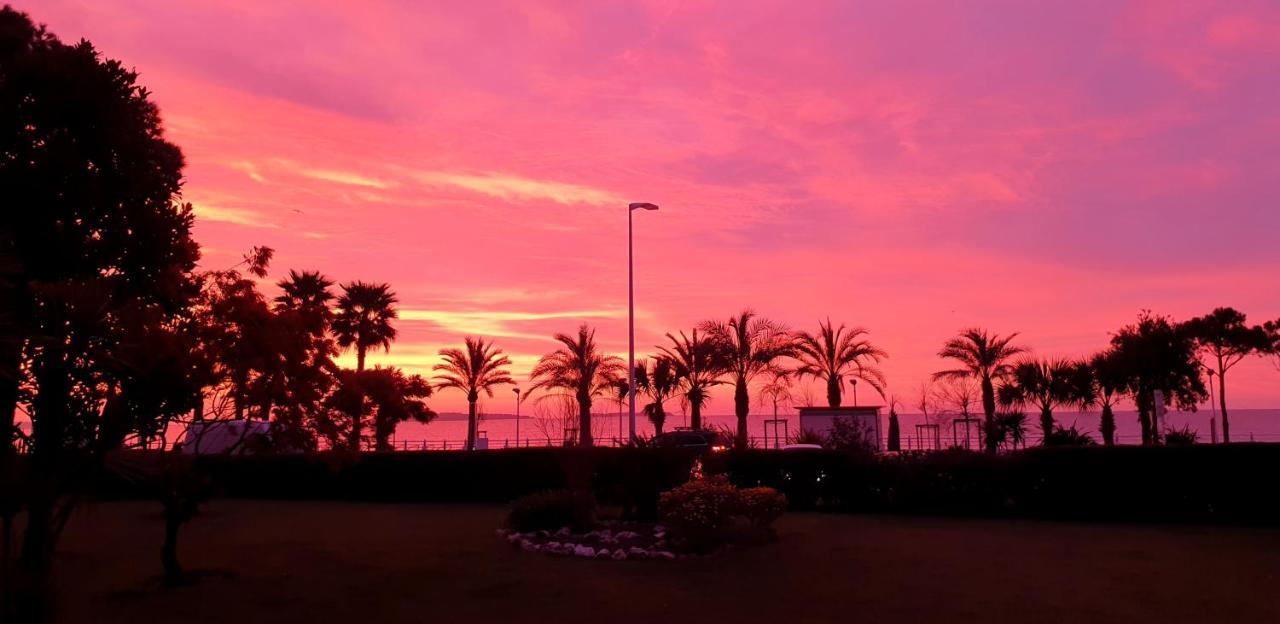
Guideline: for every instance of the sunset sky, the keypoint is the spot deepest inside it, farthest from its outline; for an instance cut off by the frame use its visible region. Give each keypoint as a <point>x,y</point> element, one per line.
<point>912,167</point>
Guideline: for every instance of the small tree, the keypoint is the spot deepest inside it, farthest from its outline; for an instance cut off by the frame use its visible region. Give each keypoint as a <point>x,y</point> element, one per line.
<point>1152,355</point>
<point>697,366</point>
<point>656,378</point>
<point>478,369</point>
<point>1225,337</point>
<point>1046,384</point>
<point>749,346</point>
<point>580,369</point>
<point>984,357</point>
<point>835,353</point>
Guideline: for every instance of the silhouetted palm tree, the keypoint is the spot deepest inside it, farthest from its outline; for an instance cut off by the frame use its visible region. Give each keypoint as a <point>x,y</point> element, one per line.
<point>306,290</point>
<point>835,352</point>
<point>697,367</point>
<point>983,356</point>
<point>749,345</point>
<point>580,369</point>
<point>1107,384</point>
<point>657,379</point>
<point>1045,384</point>
<point>365,312</point>
<point>478,368</point>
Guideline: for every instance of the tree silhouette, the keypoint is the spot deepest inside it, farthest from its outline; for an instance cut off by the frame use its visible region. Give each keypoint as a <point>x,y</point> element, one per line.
<point>657,379</point>
<point>1045,384</point>
<point>749,345</point>
<point>697,366</point>
<point>833,353</point>
<point>1226,338</point>
<point>1155,354</point>
<point>578,368</point>
<point>982,356</point>
<point>385,397</point>
<point>94,251</point>
<point>479,367</point>
<point>363,321</point>
<point>1106,385</point>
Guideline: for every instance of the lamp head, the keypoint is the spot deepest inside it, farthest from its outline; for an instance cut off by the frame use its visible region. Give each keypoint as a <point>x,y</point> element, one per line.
<point>643,206</point>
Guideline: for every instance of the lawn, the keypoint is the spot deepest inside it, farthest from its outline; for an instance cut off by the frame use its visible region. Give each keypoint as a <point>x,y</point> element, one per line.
<point>345,562</point>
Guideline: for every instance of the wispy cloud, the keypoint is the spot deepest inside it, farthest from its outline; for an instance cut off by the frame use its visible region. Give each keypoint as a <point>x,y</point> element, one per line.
<point>497,323</point>
<point>509,187</point>
<point>226,214</point>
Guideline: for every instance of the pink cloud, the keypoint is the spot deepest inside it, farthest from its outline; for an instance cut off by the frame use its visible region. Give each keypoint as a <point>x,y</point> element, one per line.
<point>914,168</point>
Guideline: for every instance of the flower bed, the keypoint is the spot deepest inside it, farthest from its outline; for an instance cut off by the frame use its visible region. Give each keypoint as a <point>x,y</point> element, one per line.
<point>618,542</point>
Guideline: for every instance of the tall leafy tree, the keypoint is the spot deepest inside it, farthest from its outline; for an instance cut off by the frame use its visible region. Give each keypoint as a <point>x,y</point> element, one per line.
<point>578,368</point>
<point>835,353</point>
<point>657,379</point>
<point>363,319</point>
<point>1225,337</point>
<point>478,367</point>
<point>750,345</point>
<point>1155,354</point>
<point>984,357</point>
<point>697,365</point>
<point>1046,384</point>
<point>95,255</point>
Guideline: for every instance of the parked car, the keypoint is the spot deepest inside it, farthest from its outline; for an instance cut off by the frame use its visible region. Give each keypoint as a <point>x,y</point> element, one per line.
<point>701,441</point>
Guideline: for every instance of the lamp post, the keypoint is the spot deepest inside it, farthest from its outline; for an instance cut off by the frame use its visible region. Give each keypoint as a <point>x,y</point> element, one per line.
<point>854,382</point>
<point>517,391</point>
<point>631,316</point>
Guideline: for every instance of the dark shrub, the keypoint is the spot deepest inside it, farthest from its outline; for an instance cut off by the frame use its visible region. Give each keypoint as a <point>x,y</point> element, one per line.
<point>1181,437</point>
<point>550,511</point>
<point>703,514</point>
<point>1067,436</point>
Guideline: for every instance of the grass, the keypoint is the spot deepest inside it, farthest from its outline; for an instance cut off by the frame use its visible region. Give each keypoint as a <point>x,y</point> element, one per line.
<point>350,562</point>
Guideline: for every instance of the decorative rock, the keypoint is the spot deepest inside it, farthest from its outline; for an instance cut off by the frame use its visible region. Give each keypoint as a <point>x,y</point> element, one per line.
<point>664,554</point>
<point>528,545</point>
<point>619,555</point>
<point>541,533</point>
<point>638,552</point>
<point>515,538</point>
<point>563,532</point>
<point>602,553</point>
<point>584,551</point>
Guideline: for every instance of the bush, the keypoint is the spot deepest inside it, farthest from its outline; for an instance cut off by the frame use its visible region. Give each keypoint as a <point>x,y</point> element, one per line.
<point>1067,436</point>
<point>1181,437</point>
<point>707,513</point>
<point>551,511</point>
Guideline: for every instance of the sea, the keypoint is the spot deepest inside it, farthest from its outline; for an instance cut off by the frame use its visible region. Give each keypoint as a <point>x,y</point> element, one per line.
<point>500,430</point>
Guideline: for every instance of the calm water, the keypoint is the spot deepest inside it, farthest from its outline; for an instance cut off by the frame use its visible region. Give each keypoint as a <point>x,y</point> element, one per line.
<point>1262,425</point>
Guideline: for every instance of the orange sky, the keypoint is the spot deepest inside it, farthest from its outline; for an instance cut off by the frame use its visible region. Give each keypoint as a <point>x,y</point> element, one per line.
<point>1048,168</point>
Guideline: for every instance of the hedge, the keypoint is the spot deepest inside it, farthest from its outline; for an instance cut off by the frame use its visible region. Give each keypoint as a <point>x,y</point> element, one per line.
<point>1200,483</point>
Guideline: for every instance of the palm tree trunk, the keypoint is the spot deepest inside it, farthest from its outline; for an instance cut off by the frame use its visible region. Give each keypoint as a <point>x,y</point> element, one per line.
<point>741,407</point>
<point>471,425</point>
<point>1046,421</point>
<point>833,391</point>
<point>360,353</point>
<point>1222,402</point>
<point>989,412</point>
<point>695,415</point>
<point>584,422</point>
<point>1108,426</point>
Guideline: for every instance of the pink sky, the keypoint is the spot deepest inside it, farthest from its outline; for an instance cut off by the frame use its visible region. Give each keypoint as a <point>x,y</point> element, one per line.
<point>912,167</point>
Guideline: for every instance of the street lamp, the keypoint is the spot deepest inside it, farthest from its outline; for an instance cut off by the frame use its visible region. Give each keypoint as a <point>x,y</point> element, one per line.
<point>854,382</point>
<point>631,316</point>
<point>517,391</point>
